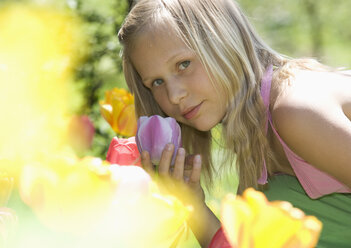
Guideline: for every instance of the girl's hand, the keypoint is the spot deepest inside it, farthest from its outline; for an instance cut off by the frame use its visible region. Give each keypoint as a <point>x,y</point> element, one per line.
<point>182,179</point>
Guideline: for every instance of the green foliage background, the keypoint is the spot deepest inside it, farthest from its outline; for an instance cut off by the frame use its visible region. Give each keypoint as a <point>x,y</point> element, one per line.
<point>321,29</point>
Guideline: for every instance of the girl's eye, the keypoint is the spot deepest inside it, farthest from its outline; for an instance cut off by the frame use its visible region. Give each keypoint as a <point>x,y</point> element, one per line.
<point>184,65</point>
<point>157,82</point>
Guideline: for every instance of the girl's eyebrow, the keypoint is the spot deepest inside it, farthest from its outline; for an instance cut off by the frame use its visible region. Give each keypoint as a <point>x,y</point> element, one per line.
<point>177,55</point>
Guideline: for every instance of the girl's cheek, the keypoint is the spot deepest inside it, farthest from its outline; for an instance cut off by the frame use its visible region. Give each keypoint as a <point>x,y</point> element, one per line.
<point>161,98</point>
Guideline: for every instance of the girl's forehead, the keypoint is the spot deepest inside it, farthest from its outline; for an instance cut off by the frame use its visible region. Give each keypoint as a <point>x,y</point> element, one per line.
<point>160,28</point>
<point>153,53</point>
<point>151,35</point>
<point>158,43</point>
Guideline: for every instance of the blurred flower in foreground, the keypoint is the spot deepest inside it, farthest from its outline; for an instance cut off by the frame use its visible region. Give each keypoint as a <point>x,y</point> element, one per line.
<point>8,223</point>
<point>102,204</point>
<point>141,216</point>
<point>154,133</point>
<point>39,49</point>
<point>252,221</point>
<point>80,133</point>
<point>67,194</point>
<point>10,170</point>
<point>123,152</point>
<point>118,110</point>
<point>6,185</point>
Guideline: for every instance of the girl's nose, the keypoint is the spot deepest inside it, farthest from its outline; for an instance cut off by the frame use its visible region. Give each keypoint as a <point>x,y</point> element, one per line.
<point>176,91</point>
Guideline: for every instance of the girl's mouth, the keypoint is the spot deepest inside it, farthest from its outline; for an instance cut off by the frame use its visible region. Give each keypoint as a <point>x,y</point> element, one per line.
<point>191,112</point>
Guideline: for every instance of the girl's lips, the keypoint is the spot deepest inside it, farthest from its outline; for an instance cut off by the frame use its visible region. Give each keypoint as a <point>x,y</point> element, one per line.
<point>192,112</point>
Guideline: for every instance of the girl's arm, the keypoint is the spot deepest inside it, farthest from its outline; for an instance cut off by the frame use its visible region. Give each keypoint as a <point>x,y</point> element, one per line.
<point>319,131</point>
<point>184,182</point>
<point>204,224</point>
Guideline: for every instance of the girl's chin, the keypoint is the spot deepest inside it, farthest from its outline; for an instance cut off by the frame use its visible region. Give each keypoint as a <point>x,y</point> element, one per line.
<point>204,127</point>
<point>199,124</point>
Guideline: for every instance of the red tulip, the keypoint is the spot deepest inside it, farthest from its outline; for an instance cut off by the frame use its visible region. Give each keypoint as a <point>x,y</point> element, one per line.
<point>80,133</point>
<point>123,152</point>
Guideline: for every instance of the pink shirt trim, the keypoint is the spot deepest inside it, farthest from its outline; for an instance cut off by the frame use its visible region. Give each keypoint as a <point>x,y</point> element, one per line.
<point>265,92</point>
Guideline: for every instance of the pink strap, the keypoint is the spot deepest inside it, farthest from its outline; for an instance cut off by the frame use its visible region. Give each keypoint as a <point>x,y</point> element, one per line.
<point>265,93</point>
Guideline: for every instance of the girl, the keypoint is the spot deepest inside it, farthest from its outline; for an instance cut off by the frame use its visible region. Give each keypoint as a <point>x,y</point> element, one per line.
<point>286,120</point>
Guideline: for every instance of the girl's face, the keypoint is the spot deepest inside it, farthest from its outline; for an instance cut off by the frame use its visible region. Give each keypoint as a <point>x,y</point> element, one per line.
<point>177,80</point>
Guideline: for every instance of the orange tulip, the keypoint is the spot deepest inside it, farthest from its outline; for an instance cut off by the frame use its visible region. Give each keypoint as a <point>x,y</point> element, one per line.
<point>253,221</point>
<point>118,110</point>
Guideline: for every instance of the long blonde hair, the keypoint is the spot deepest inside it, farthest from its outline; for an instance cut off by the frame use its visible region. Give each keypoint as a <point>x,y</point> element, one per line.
<point>235,57</point>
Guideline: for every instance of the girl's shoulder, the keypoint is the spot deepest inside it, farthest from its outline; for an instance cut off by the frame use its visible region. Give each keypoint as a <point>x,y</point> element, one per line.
<point>308,90</point>
<point>312,113</point>
<point>308,101</point>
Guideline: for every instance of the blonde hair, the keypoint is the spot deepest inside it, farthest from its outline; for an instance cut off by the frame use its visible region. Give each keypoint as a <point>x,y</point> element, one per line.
<point>235,57</point>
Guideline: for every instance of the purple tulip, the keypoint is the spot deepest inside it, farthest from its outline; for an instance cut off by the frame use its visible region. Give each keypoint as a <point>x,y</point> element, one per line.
<point>154,133</point>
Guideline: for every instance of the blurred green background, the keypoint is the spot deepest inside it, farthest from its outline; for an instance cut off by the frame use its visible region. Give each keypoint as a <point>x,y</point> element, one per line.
<point>320,29</point>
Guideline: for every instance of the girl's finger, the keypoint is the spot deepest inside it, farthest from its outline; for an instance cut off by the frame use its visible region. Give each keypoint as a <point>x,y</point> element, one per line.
<point>166,159</point>
<point>196,172</point>
<point>178,170</point>
<point>146,162</point>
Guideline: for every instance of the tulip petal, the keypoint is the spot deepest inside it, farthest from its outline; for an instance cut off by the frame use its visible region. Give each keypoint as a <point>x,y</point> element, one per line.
<point>176,137</point>
<point>118,110</point>
<point>144,137</point>
<point>133,181</point>
<point>127,121</point>
<point>106,112</point>
<point>252,221</point>
<point>161,136</point>
<point>154,133</point>
<point>123,152</point>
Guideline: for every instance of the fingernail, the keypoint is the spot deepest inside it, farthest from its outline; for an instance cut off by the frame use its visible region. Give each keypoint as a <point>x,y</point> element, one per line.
<point>169,147</point>
<point>197,159</point>
<point>181,151</point>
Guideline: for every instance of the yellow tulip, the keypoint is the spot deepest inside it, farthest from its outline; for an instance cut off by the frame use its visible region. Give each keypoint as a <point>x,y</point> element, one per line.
<point>155,220</point>
<point>39,49</point>
<point>102,204</point>
<point>253,221</point>
<point>118,110</point>
<point>66,193</point>
<point>6,184</point>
